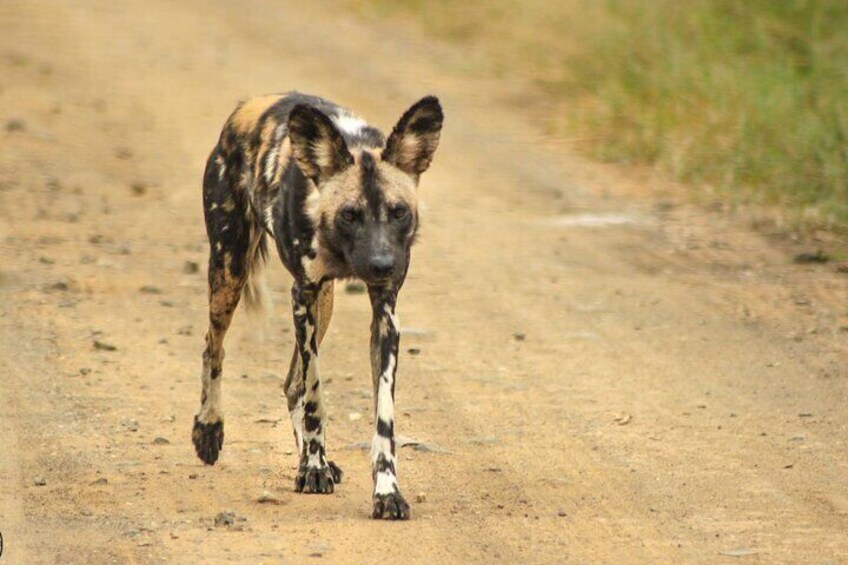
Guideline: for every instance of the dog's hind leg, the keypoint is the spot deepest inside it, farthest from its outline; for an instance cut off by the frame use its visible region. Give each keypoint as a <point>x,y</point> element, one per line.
<point>312,312</point>
<point>229,233</point>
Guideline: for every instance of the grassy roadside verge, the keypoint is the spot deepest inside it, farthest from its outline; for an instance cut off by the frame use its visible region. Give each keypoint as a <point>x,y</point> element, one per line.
<point>744,100</point>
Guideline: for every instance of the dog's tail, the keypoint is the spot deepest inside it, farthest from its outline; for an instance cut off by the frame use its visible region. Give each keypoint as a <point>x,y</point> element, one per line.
<point>257,299</point>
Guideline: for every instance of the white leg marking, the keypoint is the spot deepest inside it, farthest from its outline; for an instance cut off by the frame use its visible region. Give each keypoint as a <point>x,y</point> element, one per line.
<point>385,483</point>
<point>210,411</point>
<point>385,403</point>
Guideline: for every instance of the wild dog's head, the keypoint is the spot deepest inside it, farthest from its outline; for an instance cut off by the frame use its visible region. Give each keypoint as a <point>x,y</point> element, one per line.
<point>366,213</point>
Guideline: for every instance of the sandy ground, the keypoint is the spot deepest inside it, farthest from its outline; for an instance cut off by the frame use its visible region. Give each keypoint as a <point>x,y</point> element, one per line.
<point>602,373</point>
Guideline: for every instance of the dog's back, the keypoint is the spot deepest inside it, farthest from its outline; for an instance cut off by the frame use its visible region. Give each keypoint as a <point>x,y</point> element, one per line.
<point>254,141</point>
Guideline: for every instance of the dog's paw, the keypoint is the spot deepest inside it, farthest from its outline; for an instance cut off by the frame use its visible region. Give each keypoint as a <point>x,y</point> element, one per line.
<point>208,440</point>
<point>390,506</point>
<point>336,471</point>
<point>316,480</point>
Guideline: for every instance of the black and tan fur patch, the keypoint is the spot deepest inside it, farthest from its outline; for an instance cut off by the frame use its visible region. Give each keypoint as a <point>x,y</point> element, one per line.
<point>338,200</point>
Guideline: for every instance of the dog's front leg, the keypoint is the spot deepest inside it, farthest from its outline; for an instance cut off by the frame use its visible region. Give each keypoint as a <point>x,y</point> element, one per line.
<point>385,337</point>
<point>315,474</point>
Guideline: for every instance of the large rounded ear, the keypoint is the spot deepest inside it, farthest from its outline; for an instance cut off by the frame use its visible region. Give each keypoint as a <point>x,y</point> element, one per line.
<point>318,148</point>
<point>416,136</point>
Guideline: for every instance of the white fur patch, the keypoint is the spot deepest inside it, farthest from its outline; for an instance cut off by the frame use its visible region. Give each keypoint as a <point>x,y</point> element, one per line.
<point>385,404</point>
<point>310,330</point>
<point>349,123</point>
<point>210,411</point>
<point>380,445</point>
<point>279,132</point>
<point>269,218</point>
<point>385,483</point>
<point>271,164</point>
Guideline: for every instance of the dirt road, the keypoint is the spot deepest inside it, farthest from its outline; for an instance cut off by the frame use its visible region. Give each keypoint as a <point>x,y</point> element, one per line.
<point>602,373</point>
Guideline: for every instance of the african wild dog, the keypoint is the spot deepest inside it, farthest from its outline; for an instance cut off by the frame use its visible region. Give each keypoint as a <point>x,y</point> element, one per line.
<point>339,201</point>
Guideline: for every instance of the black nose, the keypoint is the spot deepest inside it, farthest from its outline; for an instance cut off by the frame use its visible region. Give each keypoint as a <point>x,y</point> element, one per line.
<point>382,265</point>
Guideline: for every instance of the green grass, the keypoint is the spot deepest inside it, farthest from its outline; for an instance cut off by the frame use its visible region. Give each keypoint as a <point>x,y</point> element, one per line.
<point>747,100</point>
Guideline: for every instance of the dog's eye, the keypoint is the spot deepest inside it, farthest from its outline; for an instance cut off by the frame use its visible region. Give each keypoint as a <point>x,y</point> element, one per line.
<point>349,214</point>
<point>400,212</point>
